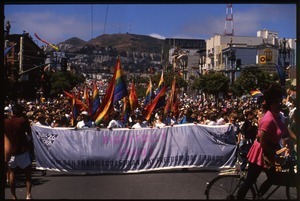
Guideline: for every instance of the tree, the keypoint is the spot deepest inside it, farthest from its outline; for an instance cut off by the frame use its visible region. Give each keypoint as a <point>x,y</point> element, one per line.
<point>55,83</point>
<point>198,83</point>
<point>251,78</point>
<point>215,83</point>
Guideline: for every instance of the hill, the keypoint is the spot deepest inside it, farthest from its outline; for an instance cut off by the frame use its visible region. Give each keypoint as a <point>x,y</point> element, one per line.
<point>120,42</point>
<point>129,42</point>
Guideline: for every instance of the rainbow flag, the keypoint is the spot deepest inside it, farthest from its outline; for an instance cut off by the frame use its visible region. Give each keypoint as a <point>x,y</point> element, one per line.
<point>133,100</point>
<point>120,90</point>
<point>106,105</point>
<point>256,93</point>
<point>116,90</point>
<point>161,102</point>
<point>50,44</point>
<point>148,111</point>
<point>149,93</point>
<point>95,99</point>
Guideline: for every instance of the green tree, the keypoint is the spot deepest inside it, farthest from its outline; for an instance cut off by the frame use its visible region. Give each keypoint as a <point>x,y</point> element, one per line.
<point>251,78</point>
<point>198,83</point>
<point>215,83</point>
<point>56,83</point>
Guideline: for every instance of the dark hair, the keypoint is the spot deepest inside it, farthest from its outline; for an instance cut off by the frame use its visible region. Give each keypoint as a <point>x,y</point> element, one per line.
<point>272,94</point>
<point>17,109</point>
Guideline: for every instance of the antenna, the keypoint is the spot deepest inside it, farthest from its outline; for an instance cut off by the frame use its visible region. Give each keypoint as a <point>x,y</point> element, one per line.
<point>229,19</point>
<point>129,26</point>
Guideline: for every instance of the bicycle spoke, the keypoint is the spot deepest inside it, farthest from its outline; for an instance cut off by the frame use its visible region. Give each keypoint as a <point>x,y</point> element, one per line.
<point>226,187</point>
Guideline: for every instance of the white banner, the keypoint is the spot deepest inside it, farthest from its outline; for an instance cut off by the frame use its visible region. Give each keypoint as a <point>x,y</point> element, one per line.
<point>134,150</point>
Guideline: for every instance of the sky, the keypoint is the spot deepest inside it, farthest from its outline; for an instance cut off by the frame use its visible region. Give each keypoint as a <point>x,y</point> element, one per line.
<point>56,23</point>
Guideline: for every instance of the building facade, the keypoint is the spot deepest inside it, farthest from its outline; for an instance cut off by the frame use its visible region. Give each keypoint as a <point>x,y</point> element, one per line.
<point>23,66</point>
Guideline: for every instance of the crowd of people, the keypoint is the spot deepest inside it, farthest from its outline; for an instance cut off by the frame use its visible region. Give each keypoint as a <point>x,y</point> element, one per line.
<point>57,112</point>
<point>244,113</point>
<point>262,155</point>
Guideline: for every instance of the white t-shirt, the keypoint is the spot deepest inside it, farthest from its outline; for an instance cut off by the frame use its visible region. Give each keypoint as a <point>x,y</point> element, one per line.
<point>115,124</point>
<point>137,125</point>
<point>87,124</point>
<point>160,125</point>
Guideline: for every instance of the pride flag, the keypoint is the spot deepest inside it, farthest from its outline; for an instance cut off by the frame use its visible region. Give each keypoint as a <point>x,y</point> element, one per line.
<point>149,93</point>
<point>95,99</point>
<point>116,90</point>
<point>161,101</point>
<point>50,44</point>
<point>106,105</point>
<point>256,93</point>
<point>148,111</point>
<point>120,90</point>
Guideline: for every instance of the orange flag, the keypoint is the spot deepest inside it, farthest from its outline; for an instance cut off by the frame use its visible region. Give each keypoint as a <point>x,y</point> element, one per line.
<point>170,100</point>
<point>133,100</point>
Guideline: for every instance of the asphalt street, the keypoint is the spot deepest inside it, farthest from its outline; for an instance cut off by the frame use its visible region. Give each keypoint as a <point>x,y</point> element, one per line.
<point>174,184</point>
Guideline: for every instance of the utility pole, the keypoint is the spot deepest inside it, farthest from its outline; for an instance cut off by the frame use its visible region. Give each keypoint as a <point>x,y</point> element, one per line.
<point>284,52</point>
<point>21,55</point>
<point>232,58</point>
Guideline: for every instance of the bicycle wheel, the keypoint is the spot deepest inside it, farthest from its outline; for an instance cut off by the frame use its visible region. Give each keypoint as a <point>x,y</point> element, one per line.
<point>225,187</point>
<point>291,193</point>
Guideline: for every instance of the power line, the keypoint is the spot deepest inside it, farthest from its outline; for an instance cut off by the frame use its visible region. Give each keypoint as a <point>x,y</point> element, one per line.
<point>92,21</point>
<point>105,18</point>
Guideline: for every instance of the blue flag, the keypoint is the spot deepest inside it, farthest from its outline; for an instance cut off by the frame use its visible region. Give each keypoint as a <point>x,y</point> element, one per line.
<point>7,50</point>
<point>281,74</point>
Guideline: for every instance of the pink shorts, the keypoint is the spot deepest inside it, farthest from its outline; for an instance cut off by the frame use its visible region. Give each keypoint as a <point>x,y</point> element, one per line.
<point>22,161</point>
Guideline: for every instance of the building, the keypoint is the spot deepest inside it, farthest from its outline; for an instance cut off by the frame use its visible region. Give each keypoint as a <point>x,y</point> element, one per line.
<point>183,55</point>
<point>228,54</point>
<point>219,44</point>
<point>23,66</point>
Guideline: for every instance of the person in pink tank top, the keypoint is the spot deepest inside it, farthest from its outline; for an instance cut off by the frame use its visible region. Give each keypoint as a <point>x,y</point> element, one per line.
<point>262,154</point>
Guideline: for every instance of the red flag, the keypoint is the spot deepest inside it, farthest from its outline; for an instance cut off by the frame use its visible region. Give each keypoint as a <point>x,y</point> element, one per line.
<point>79,104</point>
<point>50,44</point>
<point>68,94</point>
<point>133,100</point>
